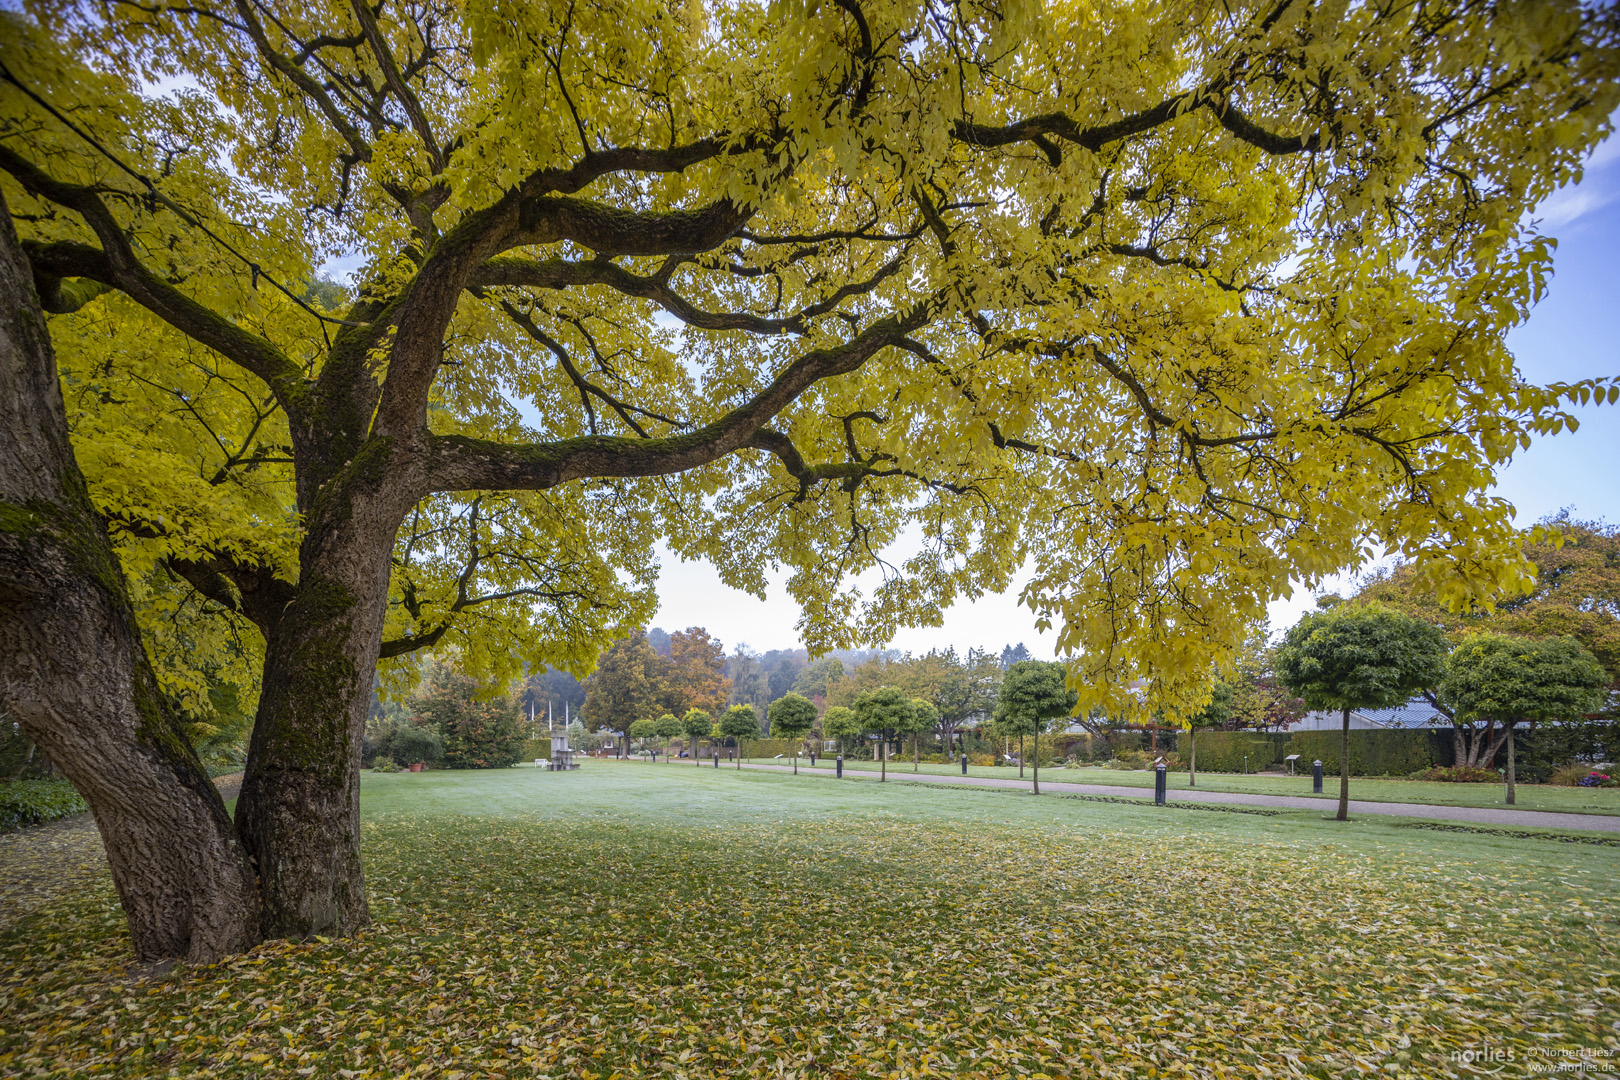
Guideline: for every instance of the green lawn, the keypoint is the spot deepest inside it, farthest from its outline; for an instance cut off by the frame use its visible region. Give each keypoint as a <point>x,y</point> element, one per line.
<point>639,920</point>
<point>1574,800</point>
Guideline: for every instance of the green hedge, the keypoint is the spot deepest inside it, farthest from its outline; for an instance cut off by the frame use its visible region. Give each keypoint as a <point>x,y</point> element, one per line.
<point>30,802</point>
<point>769,748</point>
<point>1226,751</point>
<point>1372,753</point>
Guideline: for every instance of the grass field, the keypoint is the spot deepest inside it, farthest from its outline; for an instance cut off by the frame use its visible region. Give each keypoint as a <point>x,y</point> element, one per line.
<point>1573,800</point>
<point>644,920</point>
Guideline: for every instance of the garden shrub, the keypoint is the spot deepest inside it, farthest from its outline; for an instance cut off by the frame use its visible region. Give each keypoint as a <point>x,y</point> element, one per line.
<point>383,763</point>
<point>31,802</point>
<point>1597,779</point>
<point>1130,759</point>
<point>1458,774</point>
<point>1570,775</point>
<point>412,743</point>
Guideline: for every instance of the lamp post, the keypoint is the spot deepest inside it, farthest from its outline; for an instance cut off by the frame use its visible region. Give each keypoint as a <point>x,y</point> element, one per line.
<point>1316,776</point>
<point>1158,784</point>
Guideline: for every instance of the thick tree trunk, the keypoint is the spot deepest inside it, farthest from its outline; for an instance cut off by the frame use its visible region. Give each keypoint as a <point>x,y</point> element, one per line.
<point>1344,768</point>
<point>78,680</point>
<point>299,814</point>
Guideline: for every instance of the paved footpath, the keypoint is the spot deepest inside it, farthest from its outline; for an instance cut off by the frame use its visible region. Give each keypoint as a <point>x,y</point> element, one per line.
<point>1486,815</point>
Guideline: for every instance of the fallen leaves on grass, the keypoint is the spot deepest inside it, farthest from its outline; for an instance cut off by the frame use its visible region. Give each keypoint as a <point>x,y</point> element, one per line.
<point>841,949</point>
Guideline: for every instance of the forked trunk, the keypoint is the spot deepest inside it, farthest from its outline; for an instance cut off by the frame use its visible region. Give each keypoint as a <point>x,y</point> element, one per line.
<point>78,680</point>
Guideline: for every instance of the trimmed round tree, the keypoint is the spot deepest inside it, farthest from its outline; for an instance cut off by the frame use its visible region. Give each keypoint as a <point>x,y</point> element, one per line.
<point>740,722</point>
<point>792,716</point>
<point>697,724</point>
<point>1359,656</point>
<point>668,727</point>
<point>1033,694</point>
<point>1217,712</point>
<point>924,717</point>
<point>882,712</point>
<point>840,723</point>
<point>642,729</point>
<point>1510,681</point>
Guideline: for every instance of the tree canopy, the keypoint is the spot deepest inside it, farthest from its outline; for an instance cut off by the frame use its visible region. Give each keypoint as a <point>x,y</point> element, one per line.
<point>791,716</point>
<point>739,721</point>
<point>840,722</point>
<point>1033,693</point>
<point>1361,657</point>
<point>884,710</point>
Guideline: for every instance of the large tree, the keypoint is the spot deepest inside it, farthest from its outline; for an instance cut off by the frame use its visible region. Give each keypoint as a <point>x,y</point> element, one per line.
<point>1126,301</point>
<point>1359,656</point>
<point>1575,591</point>
<point>479,729</point>
<point>1495,679</point>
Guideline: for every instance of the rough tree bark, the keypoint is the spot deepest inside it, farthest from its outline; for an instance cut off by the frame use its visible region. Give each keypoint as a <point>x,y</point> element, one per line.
<point>78,679</point>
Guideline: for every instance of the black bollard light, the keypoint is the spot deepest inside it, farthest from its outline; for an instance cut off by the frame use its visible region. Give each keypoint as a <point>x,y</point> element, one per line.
<point>1158,785</point>
<point>964,764</point>
<point>1316,776</point>
<point>812,759</point>
<point>840,766</point>
<point>717,759</point>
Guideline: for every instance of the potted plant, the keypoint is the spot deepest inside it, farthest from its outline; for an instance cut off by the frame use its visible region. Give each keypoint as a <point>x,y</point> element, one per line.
<point>416,744</point>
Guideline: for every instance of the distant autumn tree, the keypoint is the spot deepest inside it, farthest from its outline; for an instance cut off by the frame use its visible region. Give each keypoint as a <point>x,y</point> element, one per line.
<point>1575,592</point>
<point>627,686</point>
<point>694,676</point>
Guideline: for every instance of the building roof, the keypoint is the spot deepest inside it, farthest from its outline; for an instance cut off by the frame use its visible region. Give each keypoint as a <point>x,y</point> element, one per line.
<point>1416,713</point>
